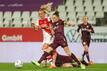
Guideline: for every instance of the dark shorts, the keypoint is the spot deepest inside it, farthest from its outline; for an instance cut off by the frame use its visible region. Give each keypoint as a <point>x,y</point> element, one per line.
<point>86,41</point>
<point>59,42</point>
<point>61,59</point>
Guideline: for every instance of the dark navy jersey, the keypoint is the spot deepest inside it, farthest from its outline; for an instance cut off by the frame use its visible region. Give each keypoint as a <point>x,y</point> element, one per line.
<point>58,28</point>
<point>84,30</point>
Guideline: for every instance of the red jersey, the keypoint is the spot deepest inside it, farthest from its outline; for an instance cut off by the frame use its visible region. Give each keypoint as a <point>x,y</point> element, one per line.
<point>47,22</point>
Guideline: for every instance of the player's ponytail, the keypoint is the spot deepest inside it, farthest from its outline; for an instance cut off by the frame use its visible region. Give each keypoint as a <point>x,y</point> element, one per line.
<point>56,13</point>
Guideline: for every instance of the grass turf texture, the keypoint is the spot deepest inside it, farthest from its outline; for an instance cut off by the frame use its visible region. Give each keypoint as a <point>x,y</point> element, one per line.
<point>31,67</point>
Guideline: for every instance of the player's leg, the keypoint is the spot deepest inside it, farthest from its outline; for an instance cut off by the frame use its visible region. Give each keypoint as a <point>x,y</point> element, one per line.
<point>84,43</point>
<point>86,50</point>
<point>84,62</point>
<point>46,42</point>
<point>48,50</point>
<point>69,53</point>
<point>43,57</point>
<point>45,48</point>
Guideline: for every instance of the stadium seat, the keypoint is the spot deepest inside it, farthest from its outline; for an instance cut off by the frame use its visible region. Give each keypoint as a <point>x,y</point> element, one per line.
<point>1,19</point>
<point>26,22</point>
<point>72,16</point>
<point>61,8</point>
<point>69,2</point>
<point>16,23</point>
<point>89,8</point>
<point>78,3</point>
<point>7,15</point>
<point>34,14</point>
<point>80,14</point>
<point>7,18</point>
<point>6,23</point>
<point>90,14</point>
<point>70,8</point>
<point>104,3</point>
<point>79,9</point>
<point>98,9</point>
<point>97,3</point>
<point>16,14</point>
<point>25,18</point>
<point>99,14</point>
<point>63,15</point>
<point>87,2</point>
<point>105,8</point>
<point>92,20</point>
<point>25,14</point>
<point>1,14</point>
<point>34,17</point>
<point>79,21</point>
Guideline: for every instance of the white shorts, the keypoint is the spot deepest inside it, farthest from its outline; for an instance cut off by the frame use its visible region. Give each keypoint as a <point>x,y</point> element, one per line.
<point>47,38</point>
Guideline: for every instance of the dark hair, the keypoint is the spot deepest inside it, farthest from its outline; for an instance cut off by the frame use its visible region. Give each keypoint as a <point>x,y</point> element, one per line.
<point>56,13</point>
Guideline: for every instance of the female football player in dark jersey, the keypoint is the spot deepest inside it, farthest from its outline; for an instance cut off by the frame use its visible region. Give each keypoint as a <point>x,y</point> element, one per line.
<point>60,39</point>
<point>86,29</point>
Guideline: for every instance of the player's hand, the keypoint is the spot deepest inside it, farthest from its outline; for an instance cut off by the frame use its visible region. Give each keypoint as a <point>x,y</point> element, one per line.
<point>32,24</point>
<point>35,26</point>
<point>89,30</point>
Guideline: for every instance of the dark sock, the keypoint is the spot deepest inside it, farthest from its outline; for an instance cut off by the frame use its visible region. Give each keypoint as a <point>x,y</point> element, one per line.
<point>87,55</point>
<point>75,59</point>
<point>83,55</point>
<point>84,62</point>
<point>43,57</point>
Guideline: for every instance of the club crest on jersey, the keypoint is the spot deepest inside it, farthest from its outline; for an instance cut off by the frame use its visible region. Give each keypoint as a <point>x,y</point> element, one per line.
<point>87,26</point>
<point>56,26</point>
<point>84,43</point>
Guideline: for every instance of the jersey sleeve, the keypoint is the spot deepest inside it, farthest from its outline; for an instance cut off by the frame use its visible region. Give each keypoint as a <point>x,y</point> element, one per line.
<point>91,29</point>
<point>79,27</point>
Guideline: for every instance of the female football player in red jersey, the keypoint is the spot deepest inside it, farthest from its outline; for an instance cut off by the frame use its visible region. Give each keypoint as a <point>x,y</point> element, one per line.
<point>44,23</point>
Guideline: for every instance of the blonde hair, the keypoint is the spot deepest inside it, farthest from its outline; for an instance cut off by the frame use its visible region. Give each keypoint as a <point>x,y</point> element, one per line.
<point>46,7</point>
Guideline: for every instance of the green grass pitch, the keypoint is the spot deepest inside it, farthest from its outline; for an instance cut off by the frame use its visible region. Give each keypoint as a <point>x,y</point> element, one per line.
<point>31,67</point>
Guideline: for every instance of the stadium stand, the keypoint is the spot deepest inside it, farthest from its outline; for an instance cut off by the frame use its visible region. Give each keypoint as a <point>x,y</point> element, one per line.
<point>73,10</point>
<point>94,9</point>
<point>22,13</point>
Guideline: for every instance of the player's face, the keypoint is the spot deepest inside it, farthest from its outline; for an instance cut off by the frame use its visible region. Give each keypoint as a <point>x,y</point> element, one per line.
<point>85,19</point>
<point>41,14</point>
<point>55,18</point>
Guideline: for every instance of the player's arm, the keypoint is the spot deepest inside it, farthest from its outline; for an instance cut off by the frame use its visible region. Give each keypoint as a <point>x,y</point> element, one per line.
<point>91,30</point>
<point>78,29</point>
<point>35,25</point>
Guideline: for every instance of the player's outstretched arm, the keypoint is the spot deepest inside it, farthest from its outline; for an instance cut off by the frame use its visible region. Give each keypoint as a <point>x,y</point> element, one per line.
<point>35,27</point>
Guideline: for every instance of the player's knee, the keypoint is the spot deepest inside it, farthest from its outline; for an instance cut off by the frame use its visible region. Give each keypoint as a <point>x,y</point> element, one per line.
<point>67,50</point>
<point>49,49</point>
<point>86,50</point>
<point>68,53</point>
<point>45,46</point>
